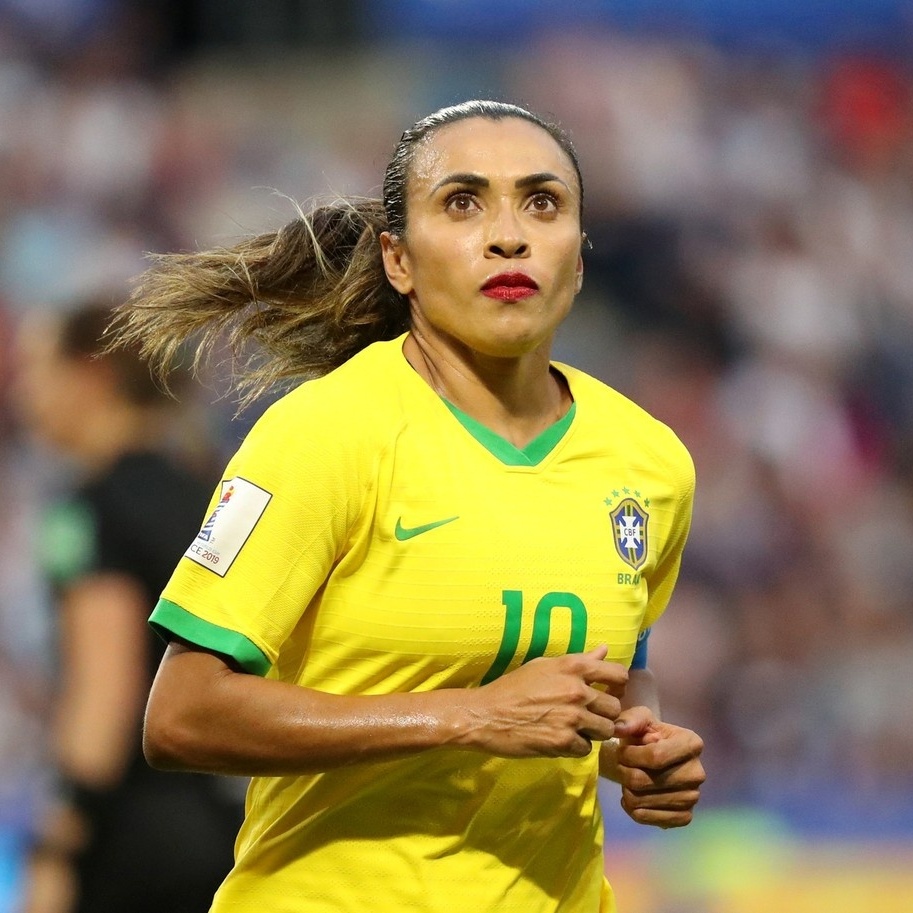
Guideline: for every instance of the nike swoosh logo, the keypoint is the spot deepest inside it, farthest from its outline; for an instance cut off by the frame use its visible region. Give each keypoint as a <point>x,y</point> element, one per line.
<point>403,532</point>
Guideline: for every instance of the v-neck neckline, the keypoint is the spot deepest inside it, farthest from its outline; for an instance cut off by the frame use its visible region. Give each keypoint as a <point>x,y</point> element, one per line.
<point>509,454</point>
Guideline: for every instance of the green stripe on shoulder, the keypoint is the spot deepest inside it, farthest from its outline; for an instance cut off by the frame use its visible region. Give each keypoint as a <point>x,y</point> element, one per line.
<point>169,618</point>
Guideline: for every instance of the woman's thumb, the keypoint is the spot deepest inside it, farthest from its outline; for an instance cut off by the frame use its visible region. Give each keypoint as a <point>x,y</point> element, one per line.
<point>634,723</point>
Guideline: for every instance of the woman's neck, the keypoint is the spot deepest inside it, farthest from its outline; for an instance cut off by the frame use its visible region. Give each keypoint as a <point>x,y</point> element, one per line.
<point>517,398</point>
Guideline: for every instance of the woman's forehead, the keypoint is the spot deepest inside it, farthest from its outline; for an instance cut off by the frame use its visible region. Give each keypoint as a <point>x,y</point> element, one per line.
<point>510,146</point>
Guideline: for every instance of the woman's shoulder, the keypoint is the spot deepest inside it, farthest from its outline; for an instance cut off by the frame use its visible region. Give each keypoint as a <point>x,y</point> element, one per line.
<point>597,394</point>
<point>609,411</point>
<point>362,398</point>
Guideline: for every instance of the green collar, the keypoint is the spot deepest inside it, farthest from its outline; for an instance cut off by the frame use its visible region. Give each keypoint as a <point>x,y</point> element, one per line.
<point>530,455</point>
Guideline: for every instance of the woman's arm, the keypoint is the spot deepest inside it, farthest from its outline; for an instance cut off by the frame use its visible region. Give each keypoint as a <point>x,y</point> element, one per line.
<point>641,691</point>
<point>205,715</point>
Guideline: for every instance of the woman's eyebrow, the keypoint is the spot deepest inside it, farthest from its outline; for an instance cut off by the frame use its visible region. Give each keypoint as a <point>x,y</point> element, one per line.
<point>467,178</point>
<point>470,179</point>
<point>541,177</point>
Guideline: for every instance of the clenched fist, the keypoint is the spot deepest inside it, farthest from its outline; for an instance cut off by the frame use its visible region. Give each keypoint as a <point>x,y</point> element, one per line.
<point>658,766</point>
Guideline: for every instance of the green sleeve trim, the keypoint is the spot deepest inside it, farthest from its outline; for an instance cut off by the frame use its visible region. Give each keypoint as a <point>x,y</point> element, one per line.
<point>168,618</point>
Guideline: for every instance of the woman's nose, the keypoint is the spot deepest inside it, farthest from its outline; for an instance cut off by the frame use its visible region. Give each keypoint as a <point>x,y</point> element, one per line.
<point>506,237</point>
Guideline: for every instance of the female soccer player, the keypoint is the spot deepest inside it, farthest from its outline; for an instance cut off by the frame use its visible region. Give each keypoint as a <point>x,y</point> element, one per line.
<point>415,612</point>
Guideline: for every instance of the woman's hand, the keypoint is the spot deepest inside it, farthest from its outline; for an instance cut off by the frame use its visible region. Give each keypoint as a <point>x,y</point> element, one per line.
<point>549,707</point>
<point>658,766</point>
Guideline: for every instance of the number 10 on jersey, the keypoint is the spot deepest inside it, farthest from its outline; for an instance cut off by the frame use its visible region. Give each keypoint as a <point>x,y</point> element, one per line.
<point>512,601</point>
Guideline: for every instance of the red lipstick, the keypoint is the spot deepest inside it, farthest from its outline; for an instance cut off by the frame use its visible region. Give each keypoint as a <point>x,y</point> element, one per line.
<point>510,286</point>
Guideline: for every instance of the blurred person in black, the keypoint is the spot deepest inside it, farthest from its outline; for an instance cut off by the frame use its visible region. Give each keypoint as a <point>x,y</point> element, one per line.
<point>118,837</point>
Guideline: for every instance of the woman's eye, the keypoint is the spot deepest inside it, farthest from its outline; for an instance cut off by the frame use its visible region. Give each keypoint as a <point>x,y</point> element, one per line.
<point>543,202</point>
<point>461,202</point>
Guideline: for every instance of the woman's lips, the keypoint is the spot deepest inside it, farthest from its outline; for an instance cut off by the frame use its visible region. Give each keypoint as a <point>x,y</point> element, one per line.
<point>510,286</point>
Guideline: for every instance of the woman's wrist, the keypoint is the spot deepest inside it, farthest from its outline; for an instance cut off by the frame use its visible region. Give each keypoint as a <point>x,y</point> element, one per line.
<point>608,760</point>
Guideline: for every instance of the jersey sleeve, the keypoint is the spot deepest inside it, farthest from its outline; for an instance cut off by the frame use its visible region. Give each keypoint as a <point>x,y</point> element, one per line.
<point>639,661</point>
<point>662,579</point>
<point>276,525</point>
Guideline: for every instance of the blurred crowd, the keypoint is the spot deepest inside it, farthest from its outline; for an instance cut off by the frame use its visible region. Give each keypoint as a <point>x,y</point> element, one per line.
<point>750,283</point>
<point>752,223</point>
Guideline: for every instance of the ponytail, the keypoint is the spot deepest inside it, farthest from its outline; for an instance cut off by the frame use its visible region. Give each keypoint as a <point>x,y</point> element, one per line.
<point>298,302</point>
<point>290,304</point>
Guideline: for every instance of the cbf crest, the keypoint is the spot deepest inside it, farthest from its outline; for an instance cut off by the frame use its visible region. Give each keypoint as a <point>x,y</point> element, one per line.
<point>629,530</point>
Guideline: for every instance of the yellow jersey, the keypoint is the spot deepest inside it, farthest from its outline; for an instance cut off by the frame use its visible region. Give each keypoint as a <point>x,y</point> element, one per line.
<point>368,538</point>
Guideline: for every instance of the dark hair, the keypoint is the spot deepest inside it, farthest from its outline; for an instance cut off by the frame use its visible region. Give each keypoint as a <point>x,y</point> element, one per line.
<point>308,296</point>
<point>397,174</point>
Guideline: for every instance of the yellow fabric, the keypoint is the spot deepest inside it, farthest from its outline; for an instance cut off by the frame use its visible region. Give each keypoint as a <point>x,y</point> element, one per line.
<point>349,461</point>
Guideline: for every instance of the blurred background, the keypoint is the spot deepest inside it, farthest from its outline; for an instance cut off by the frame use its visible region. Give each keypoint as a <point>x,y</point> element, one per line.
<point>749,180</point>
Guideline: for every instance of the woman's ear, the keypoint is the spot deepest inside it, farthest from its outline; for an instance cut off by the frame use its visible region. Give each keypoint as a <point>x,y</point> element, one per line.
<point>585,244</point>
<point>396,262</point>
